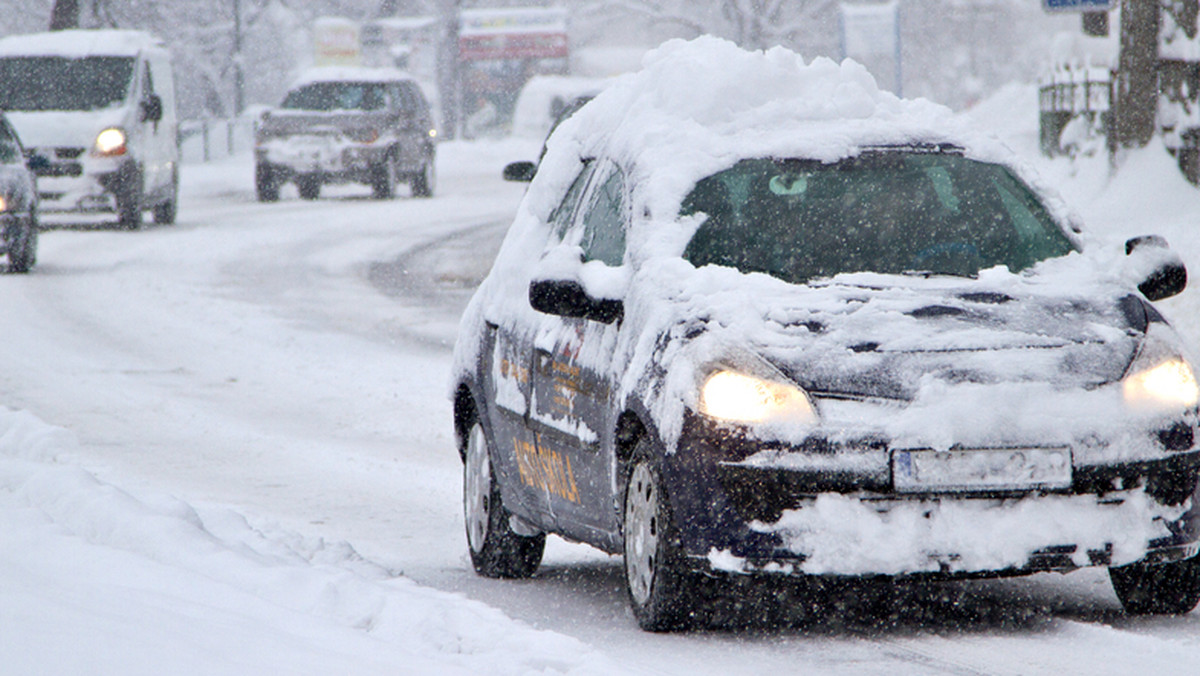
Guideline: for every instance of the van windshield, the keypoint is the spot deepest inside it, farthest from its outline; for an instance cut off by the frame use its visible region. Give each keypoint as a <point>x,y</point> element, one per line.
<point>60,83</point>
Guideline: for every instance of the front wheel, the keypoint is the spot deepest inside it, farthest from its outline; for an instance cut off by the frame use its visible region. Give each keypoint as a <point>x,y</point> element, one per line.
<point>1162,589</point>
<point>266,184</point>
<point>656,576</point>
<point>22,244</point>
<point>496,551</point>
<point>129,203</point>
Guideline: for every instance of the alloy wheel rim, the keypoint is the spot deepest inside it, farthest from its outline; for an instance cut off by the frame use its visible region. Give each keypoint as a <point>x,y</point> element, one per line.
<point>476,487</point>
<point>641,532</point>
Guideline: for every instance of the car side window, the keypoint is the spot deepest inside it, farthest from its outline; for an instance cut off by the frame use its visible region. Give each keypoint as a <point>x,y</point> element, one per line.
<point>560,219</point>
<point>604,221</point>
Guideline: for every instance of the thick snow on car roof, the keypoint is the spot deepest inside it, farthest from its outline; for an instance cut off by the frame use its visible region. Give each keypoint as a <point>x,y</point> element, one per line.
<point>79,43</point>
<point>349,74</point>
<point>698,106</point>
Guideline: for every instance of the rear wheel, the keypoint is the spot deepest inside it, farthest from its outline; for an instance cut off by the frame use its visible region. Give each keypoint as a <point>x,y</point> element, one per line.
<point>164,212</point>
<point>383,182</point>
<point>266,184</point>
<point>309,187</point>
<point>496,551</point>
<point>423,181</point>
<point>656,575</point>
<point>1163,589</point>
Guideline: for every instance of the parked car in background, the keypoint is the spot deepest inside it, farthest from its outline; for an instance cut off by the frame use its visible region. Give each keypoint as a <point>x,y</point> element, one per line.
<point>757,317</point>
<point>347,125</point>
<point>18,201</point>
<point>99,107</point>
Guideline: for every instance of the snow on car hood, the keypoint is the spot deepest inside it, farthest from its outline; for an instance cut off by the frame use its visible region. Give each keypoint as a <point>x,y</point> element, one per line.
<point>1005,358</point>
<point>39,129</point>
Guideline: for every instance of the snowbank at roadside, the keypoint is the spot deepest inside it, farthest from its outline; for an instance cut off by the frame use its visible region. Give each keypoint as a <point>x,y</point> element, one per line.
<point>98,580</point>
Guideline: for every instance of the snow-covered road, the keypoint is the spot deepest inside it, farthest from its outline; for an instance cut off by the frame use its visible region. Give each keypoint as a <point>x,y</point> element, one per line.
<point>251,469</point>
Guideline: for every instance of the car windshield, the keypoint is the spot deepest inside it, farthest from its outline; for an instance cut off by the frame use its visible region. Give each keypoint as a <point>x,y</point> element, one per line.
<point>889,212</point>
<point>59,83</point>
<point>336,96</point>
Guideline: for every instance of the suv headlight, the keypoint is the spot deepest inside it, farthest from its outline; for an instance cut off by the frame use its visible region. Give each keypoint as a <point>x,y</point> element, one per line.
<point>1160,379</point>
<point>739,397</point>
<point>110,142</point>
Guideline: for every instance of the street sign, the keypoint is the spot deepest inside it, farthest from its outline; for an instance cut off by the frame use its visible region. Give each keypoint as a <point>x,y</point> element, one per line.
<point>1077,5</point>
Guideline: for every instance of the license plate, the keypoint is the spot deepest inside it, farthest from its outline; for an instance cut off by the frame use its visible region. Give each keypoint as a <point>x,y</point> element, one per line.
<point>985,469</point>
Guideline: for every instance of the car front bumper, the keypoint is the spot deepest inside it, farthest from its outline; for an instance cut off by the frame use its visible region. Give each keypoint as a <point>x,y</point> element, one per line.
<point>745,506</point>
<point>333,160</point>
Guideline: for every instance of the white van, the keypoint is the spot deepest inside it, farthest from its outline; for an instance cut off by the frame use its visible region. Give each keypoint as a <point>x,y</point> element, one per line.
<point>99,106</point>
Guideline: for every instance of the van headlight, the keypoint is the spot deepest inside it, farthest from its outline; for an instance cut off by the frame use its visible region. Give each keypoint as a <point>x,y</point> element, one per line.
<point>1160,379</point>
<point>110,142</point>
<point>740,397</point>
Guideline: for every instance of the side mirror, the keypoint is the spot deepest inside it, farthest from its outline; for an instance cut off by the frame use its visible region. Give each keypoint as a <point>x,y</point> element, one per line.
<point>37,163</point>
<point>520,172</point>
<point>1160,270</point>
<point>566,298</point>
<point>152,108</point>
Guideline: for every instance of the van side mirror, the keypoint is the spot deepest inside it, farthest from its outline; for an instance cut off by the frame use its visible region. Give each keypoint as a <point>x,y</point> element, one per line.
<point>520,172</point>
<point>1160,270</point>
<point>152,108</point>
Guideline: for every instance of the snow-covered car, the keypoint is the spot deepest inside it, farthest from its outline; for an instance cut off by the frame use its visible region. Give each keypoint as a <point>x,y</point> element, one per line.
<point>347,125</point>
<point>758,317</point>
<point>99,107</point>
<point>18,201</point>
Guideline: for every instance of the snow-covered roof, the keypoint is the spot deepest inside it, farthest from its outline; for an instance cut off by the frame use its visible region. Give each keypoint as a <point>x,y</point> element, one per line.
<point>79,43</point>
<point>699,106</point>
<point>349,74</point>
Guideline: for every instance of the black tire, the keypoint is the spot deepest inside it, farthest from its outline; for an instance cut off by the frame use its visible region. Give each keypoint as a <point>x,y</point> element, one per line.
<point>423,182</point>
<point>661,589</point>
<point>165,212</point>
<point>22,243</point>
<point>496,551</point>
<point>383,179</point>
<point>266,185</point>
<point>309,187</point>
<point>1163,589</point>
<point>129,203</point>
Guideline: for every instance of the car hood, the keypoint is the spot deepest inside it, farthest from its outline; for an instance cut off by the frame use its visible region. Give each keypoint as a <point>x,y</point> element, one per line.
<point>889,342</point>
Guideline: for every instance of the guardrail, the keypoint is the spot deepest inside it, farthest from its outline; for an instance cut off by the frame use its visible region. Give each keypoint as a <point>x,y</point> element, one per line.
<point>210,139</point>
<point>1082,95</point>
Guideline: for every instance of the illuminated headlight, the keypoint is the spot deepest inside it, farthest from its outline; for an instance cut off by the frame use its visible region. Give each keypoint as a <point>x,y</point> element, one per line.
<point>737,397</point>
<point>3,204</point>
<point>1160,379</point>
<point>111,141</point>
<point>432,133</point>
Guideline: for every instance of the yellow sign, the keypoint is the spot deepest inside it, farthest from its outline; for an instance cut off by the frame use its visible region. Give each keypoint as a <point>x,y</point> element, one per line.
<point>546,469</point>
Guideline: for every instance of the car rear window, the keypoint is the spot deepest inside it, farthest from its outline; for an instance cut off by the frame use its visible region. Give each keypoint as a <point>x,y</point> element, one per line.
<point>889,212</point>
<point>327,96</point>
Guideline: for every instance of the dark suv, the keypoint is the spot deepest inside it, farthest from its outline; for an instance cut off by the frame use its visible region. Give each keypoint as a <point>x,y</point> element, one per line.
<point>347,125</point>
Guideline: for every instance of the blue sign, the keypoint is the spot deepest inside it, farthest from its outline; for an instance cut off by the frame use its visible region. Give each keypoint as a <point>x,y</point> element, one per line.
<point>1077,5</point>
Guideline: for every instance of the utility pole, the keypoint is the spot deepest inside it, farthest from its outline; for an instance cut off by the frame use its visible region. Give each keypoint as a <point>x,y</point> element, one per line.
<point>1137,75</point>
<point>449,85</point>
<point>239,82</point>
